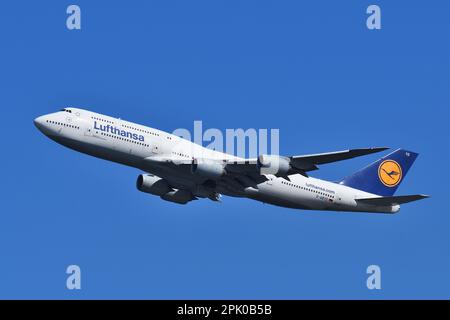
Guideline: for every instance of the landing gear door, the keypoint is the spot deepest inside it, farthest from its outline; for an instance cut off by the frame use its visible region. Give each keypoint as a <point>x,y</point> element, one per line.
<point>88,130</point>
<point>337,199</point>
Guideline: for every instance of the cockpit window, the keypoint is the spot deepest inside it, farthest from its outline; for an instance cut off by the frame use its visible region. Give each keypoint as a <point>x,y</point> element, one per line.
<point>66,110</point>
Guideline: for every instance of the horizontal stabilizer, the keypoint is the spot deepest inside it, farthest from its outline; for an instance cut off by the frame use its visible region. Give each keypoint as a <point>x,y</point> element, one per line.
<point>391,201</point>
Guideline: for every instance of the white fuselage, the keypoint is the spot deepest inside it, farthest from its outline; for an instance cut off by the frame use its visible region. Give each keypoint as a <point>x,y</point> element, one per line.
<point>133,145</point>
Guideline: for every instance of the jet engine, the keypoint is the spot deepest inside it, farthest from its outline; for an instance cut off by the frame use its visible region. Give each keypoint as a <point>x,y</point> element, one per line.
<point>159,187</point>
<point>208,168</point>
<point>178,196</point>
<point>207,190</point>
<point>273,164</point>
<point>152,184</point>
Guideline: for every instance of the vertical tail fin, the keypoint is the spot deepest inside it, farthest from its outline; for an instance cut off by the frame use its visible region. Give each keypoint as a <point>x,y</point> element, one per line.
<point>383,176</point>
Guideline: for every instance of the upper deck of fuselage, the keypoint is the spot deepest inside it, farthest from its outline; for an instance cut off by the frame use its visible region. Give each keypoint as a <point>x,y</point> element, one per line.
<point>168,142</point>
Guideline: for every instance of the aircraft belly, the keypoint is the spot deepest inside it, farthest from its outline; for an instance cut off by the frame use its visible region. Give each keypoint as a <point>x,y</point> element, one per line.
<point>99,150</point>
<point>268,193</point>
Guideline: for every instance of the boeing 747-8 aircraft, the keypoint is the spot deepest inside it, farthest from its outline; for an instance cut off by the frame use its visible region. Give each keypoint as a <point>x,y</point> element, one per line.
<point>180,171</point>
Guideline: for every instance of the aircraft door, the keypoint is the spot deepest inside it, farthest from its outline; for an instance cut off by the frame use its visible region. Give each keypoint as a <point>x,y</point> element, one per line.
<point>88,130</point>
<point>337,199</point>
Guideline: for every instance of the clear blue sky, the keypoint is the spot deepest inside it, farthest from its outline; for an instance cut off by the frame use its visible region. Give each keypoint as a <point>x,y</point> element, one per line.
<point>311,69</point>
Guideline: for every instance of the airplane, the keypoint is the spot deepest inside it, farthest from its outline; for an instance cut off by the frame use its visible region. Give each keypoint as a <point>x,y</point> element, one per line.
<point>180,171</point>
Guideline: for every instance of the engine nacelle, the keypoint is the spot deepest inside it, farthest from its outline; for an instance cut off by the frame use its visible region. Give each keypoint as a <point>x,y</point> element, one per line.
<point>208,168</point>
<point>178,196</point>
<point>273,164</point>
<point>152,184</point>
<point>203,191</point>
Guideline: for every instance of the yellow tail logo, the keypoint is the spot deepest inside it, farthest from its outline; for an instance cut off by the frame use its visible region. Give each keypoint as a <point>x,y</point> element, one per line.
<point>390,173</point>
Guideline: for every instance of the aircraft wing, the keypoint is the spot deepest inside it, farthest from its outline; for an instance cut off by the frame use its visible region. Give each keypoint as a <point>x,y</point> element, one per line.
<point>242,169</point>
<point>303,163</point>
<point>310,162</point>
<point>242,173</point>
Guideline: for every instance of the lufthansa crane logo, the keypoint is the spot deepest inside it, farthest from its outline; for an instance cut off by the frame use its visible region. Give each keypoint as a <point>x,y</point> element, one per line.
<point>390,173</point>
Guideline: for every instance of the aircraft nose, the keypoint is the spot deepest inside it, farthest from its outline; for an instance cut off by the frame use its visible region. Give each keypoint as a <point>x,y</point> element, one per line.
<point>39,122</point>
